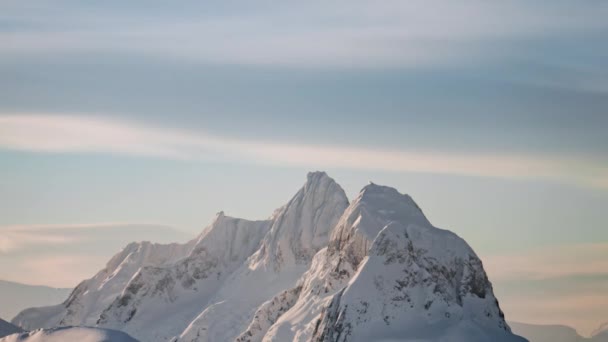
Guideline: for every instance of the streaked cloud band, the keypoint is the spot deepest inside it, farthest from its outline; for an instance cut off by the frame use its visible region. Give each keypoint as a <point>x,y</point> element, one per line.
<point>78,134</point>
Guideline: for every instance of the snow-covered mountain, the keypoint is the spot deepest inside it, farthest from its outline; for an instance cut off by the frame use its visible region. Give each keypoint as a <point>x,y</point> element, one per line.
<point>65,334</point>
<point>557,333</point>
<point>387,274</point>
<point>90,297</point>
<point>14,297</point>
<point>297,232</point>
<point>319,269</point>
<point>7,328</point>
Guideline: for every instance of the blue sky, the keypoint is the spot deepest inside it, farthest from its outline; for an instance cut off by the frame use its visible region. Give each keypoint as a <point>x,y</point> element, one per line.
<point>492,115</point>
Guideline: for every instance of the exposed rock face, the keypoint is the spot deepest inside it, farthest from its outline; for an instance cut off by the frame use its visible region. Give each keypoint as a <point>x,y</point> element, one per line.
<point>299,229</point>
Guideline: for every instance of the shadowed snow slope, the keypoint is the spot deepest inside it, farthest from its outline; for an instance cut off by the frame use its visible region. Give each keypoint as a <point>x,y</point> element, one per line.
<point>319,269</point>
<point>7,328</point>
<point>66,334</point>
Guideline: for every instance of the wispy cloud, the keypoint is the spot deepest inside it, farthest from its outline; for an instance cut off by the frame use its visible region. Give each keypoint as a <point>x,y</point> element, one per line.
<point>543,263</point>
<point>18,238</point>
<point>68,134</point>
<point>63,255</point>
<point>317,33</point>
<point>59,270</point>
<point>564,284</point>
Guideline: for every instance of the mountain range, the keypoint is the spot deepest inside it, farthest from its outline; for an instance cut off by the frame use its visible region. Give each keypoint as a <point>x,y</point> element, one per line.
<point>68,334</point>
<point>320,268</point>
<point>15,297</point>
<point>557,333</point>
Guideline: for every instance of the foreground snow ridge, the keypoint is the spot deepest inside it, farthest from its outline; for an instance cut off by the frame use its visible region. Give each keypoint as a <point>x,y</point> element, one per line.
<point>7,328</point>
<point>67,334</point>
<point>318,269</point>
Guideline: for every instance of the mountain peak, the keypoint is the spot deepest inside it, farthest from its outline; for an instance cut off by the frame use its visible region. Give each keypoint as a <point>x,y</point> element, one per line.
<point>302,226</point>
<point>390,204</point>
<point>316,175</point>
<point>317,181</point>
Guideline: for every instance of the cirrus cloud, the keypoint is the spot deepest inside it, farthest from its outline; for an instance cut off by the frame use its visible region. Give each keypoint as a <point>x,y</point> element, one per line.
<point>70,134</point>
<point>317,33</point>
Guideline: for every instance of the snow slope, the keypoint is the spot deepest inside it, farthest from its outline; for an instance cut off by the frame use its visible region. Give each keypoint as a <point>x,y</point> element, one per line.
<point>90,297</point>
<point>7,328</point>
<point>65,334</point>
<point>16,297</point>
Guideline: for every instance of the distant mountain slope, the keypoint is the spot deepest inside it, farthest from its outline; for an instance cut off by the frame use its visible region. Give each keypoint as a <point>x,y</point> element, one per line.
<point>15,297</point>
<point>7,328</point>
<point>29,259</point>
<point>69,334</point>
<point>556,333</point>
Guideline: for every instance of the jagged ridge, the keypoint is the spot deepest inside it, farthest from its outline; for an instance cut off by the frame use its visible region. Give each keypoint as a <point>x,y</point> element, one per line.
<point>318,269</point>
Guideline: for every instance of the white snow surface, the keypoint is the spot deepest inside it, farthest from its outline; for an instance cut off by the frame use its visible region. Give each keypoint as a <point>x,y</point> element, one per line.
<point>68,334</point>
<point>159,302</point>
<point>298,230</point>
<point>319,269</point>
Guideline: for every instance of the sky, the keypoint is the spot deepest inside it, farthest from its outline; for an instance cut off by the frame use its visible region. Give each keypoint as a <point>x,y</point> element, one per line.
<point>141,120</point>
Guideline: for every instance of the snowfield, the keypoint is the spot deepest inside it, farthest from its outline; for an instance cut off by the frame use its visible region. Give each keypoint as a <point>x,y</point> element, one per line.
<point>68,334</point>
<point>16,297</point>
<point>320,268</point>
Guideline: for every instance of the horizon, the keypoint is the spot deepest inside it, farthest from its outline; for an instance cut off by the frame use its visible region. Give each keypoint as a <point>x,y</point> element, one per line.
<point>121,123</point>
